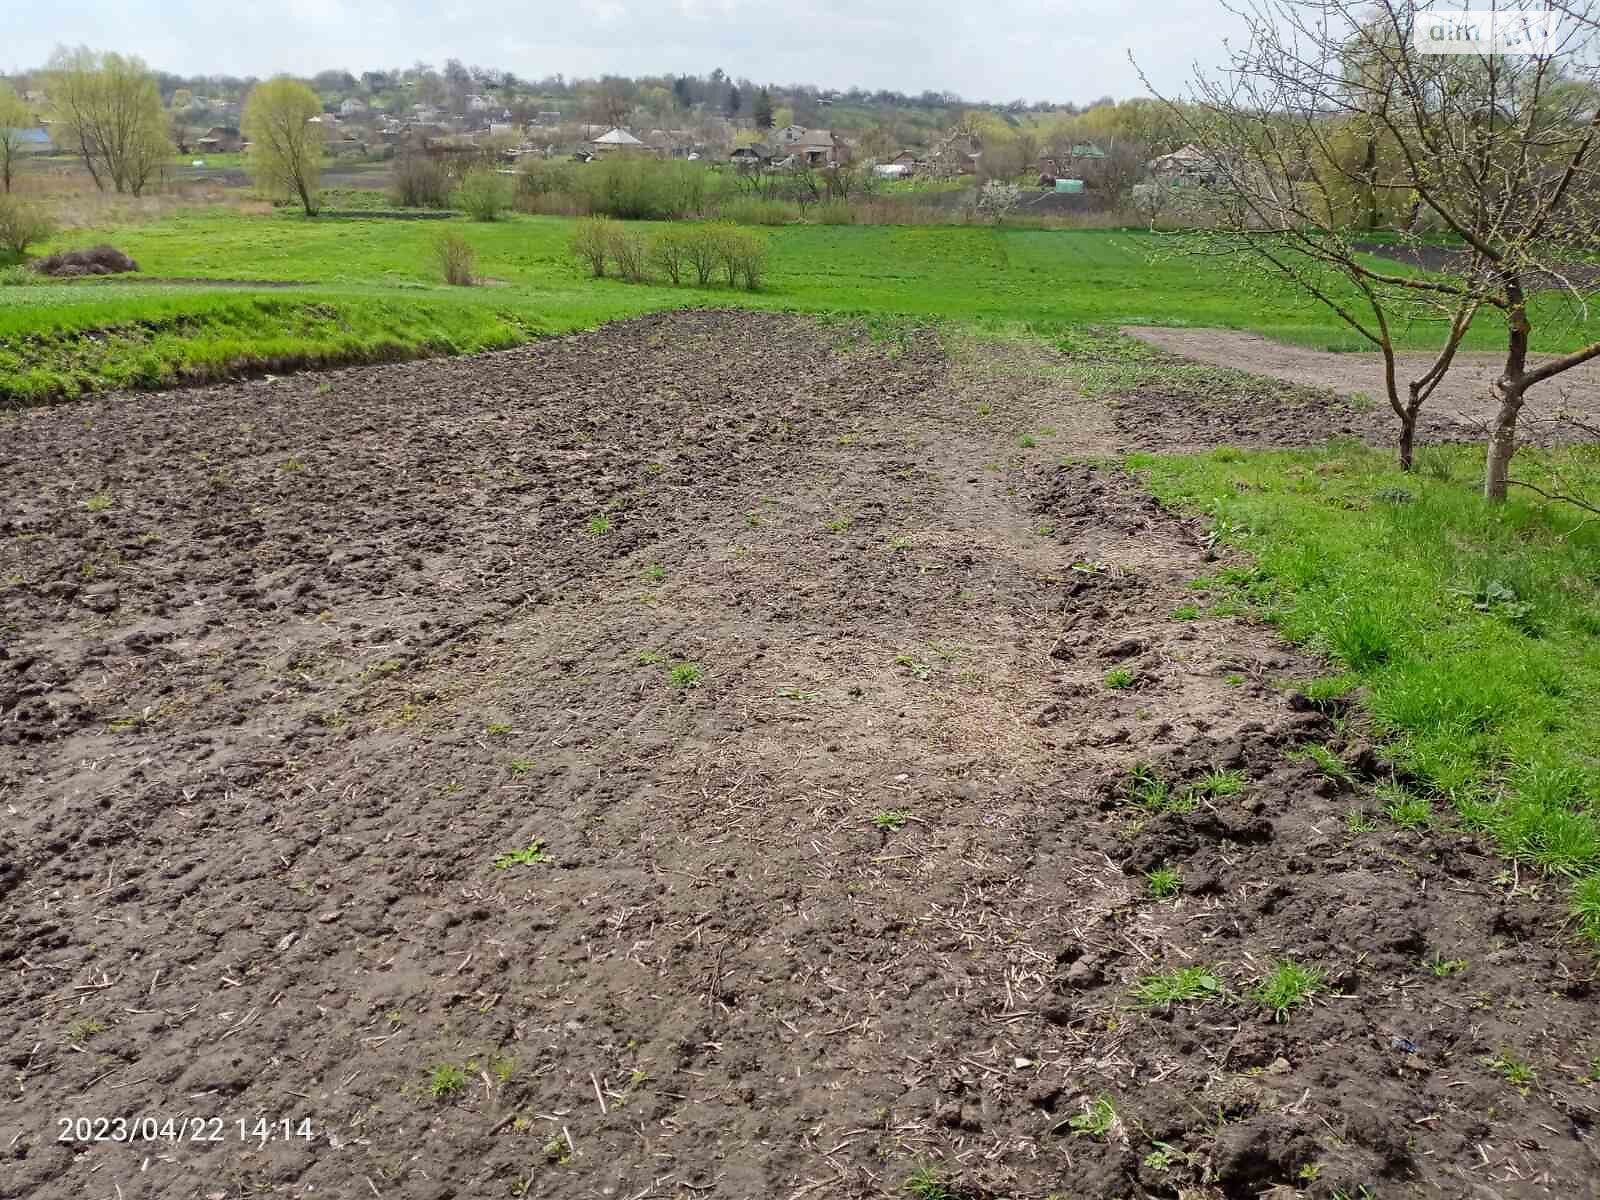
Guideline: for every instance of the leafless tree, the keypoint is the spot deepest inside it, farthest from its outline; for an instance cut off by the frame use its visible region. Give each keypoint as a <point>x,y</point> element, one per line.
<point>1334,98</point>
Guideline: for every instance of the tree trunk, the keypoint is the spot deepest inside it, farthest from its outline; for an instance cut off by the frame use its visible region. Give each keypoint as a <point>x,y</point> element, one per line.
<point>1408,436</point>
<point>1510,387</point>
<point>1502,441</point>
<point>1369,171</point>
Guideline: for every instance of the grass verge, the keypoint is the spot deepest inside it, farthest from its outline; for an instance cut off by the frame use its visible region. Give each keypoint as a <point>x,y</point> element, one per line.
<point>1472,632</point>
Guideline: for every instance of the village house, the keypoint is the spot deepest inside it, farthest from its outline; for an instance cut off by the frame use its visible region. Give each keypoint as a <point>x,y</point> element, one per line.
<point>1188,164</point>
<point>352,107</point>
<point>751,156</point>
<point>219,139</point>
<point>615,141</point>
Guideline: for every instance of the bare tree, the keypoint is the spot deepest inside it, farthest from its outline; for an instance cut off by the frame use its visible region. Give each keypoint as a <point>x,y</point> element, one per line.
<point>1498,150</point>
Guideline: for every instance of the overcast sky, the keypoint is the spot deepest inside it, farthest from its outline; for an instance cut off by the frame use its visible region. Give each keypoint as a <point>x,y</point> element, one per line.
<point>1032,49</point>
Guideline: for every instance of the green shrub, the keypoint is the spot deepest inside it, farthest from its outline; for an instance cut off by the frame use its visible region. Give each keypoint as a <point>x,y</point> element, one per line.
<point>484,194</point>
<point>22,224</point>
<point>750,210</point>
<point>645,189</point>
<point>743,256</point>
<point>670,250</point>
<point>591,243</point>
<point>454,255</point>
<point>702,251</point>
<point>420,182</point>
<point>630,250</point>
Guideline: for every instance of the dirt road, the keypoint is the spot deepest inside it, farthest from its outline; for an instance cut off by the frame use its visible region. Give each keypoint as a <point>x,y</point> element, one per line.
<point>1465,397</point>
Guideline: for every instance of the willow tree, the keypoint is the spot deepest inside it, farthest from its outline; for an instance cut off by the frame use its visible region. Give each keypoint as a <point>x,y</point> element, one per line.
<point>283,123</point>
<point>1500,151</point>
<point>14,118</point>
<point>108,112</point>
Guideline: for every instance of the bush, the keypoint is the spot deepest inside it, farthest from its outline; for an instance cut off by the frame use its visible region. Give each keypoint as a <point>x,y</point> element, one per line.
<point>631,252</point>
<point>701,251</point>
<point>743,256</point>
<point>22,225</point>
<point>454,254</point>
<point>545,177</point>
<point>591,243</point>
<point>670,249</point>
<point>748,210</point>
<point>420,182</point>
<point>483,194</point>
<point>645,189</point>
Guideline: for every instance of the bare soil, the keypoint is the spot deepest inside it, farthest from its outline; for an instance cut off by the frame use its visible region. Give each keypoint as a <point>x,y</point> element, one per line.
<point>291,668</point>
<point>1463,405</point>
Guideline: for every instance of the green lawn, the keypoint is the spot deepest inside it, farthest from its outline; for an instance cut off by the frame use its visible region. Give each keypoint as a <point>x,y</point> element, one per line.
<point>370,285</point>
<point>1471,633</point>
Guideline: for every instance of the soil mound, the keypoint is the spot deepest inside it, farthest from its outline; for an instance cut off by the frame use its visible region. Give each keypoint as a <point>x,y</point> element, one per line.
<point>97,260</point>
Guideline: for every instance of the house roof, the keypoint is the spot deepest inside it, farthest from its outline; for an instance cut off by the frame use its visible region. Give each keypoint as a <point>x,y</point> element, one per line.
<point>617,137</point>
<point>1187,154</point>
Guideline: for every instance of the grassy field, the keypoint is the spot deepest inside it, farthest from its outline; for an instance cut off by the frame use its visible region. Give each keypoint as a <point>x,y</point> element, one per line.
<point>367,289</point>
<point>1470,634</point>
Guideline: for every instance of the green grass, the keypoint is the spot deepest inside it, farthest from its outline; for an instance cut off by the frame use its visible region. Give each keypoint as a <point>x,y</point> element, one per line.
<point>1164,882</point>
<point>1178,986</point>
<point>1473,631</point>
<point>1288,986</point>
<point>366,290</point>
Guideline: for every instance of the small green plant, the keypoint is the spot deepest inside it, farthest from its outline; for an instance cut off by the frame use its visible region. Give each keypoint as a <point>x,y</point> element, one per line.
<point>81,1030</point>
<point>836,524</point>
<point>520,767</point>
<point>1288,986</point>
<point>1027,441</point>
<point>532,854</point>
<point>446,1080</point>
<point>98,503</point>
<point>927,1183</point>
<point>1443,968</point>
<point>1328,763</point>
<point>655,573</point>
<point>1151,792</point>
<point>598,525</point>
<point>497,728</point>
<point>1219,783</point>
<point>685,676</point>
<point>1119,678</point>
<point>1178,986</point>
<point>1164,882</point>
<point>919,670</point>
<point>1186,612</point>
<point>1233,679</point>
<point>1404,809</point>
<point>1358,820</point>
<point>1512,1069</point>
<point>1586,907</point>
<point>651,658</point>
<point>1163,1157</point>
<point>891,819</point>
<point>1097,1120</point>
